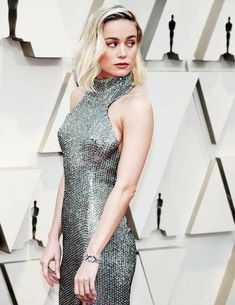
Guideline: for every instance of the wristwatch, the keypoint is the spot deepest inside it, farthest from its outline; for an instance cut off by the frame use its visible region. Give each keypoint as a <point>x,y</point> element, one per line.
<point>92,258</point>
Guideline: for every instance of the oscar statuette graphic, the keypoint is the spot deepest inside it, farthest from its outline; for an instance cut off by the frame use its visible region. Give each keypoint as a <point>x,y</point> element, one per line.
<point>228,27</point>
<point>12,18</point>
<point>34,213</point>
<point>171,25</point>
<point>159,210</point>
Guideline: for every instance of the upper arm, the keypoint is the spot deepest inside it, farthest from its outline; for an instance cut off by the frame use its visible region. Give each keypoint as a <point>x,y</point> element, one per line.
<point>138,125</point>
<point>75,97</point>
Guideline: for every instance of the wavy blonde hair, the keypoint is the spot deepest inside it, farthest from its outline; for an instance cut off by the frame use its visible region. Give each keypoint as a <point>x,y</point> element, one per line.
<point>91,47</point>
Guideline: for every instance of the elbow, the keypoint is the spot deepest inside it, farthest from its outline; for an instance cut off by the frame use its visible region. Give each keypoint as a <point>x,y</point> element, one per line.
<point>127,189</point>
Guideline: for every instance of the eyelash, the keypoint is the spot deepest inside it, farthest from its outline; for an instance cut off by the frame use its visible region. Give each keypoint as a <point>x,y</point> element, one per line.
<point>132,42</point>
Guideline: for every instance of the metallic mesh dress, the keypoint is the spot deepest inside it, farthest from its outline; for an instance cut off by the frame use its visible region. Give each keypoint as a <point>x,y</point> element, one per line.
<point>90,159</point>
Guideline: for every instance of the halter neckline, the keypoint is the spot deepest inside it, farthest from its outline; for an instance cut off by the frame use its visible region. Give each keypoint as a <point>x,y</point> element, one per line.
<point>101,84</point>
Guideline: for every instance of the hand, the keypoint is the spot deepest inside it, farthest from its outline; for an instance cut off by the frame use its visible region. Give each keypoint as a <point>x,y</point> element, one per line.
<point>84,281</point>
<point>52,252</point>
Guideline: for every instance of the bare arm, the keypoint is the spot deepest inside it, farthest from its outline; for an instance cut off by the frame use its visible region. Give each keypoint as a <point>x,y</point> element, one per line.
<point>137,135</point>
<point>55,231</point>
<point>52,250</point>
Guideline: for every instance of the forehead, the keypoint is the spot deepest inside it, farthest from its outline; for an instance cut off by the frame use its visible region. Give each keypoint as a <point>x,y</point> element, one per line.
<point>120,28</point>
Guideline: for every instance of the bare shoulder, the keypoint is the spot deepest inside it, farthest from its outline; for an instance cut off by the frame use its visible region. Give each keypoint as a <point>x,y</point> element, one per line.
<point>138,118</point>
<point>76,96</point>
<point>137,103</point>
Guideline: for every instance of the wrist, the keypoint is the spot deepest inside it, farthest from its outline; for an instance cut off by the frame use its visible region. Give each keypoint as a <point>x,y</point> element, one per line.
<point>91,250</point>
<point>52,236</point>
<point>91,257</point>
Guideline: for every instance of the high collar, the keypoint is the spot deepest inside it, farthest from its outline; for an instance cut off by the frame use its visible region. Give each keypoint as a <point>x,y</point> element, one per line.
<point>112,83</point>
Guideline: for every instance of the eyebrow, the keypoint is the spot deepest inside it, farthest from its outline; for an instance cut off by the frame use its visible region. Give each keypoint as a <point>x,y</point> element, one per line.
<point>131,36</point>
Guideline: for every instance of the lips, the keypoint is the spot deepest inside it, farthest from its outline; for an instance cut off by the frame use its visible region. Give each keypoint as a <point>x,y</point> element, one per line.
<point>122,64</point>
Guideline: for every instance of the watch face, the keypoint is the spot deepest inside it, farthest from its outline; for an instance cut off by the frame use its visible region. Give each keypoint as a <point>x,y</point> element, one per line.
<point>91,258</point>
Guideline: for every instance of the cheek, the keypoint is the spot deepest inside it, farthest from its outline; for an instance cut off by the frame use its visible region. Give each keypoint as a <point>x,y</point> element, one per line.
<point>106,59</point>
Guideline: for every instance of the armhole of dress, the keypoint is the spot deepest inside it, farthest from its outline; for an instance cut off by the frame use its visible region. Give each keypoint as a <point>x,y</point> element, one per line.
<point>108,117</point>
<point>80,102</point>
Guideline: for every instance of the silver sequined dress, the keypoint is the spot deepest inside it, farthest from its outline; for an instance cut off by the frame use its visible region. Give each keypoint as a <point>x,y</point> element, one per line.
<point>90,159</point>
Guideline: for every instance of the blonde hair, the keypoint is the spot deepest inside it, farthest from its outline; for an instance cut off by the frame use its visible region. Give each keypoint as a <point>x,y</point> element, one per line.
<point>91,47</point>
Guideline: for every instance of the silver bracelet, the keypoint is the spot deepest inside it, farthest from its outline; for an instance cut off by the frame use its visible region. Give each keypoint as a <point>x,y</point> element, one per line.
<point>92,258</point>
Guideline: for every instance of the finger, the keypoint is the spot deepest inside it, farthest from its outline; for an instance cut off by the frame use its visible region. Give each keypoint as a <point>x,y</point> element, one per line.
<point>81,289</point>
<point>76,288</point>
<point>53,278</point>
<point>82,295</point>
<point>52,272</point>
<point>92,288</point>
<point>45,273</point>
<point>57,267</point>
<point>87,290</point>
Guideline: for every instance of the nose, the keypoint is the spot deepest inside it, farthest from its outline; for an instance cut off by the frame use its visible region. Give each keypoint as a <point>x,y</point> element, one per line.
<point>122,50</point>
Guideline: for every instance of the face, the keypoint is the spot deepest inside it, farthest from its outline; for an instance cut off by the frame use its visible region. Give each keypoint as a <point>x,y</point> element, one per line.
<point>121,47</point>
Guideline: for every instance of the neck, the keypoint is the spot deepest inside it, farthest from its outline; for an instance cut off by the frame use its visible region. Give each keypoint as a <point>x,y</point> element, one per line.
<point>115,81</point>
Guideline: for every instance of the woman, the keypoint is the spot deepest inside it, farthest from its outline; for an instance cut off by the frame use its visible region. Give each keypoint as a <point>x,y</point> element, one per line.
<point>105,140</point>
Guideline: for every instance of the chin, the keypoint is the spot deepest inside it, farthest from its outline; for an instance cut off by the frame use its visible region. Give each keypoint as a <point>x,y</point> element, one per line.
<point>123,71</point>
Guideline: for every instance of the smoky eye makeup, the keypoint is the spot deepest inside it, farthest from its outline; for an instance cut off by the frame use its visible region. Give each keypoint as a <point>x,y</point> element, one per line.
<point>132,42</point>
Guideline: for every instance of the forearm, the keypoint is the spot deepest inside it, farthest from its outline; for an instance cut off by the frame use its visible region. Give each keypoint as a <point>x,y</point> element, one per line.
<point>114,210</point>
<point>55,230</point>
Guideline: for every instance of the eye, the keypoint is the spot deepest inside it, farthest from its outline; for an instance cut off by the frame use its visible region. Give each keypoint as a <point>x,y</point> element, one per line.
<point>131,43</point>
<point>112,43</point>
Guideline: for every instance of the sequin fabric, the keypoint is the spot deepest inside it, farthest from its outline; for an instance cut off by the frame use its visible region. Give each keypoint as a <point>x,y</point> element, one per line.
<point>90,159</point>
